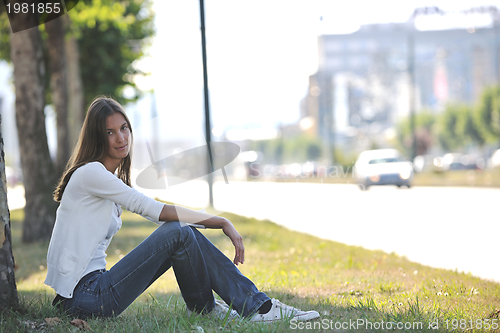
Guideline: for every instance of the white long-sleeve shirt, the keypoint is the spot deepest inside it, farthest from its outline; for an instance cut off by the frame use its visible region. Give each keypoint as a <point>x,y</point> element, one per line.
<point>98,260</point>
<point>83,221</point>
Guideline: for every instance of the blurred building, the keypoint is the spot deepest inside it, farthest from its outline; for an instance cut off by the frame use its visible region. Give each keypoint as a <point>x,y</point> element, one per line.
<point>363,79</point>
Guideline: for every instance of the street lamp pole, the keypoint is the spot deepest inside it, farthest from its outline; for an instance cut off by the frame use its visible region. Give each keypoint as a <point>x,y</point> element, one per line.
<point>411,74</point>
<point>411,68</point>
<point>208,131</point>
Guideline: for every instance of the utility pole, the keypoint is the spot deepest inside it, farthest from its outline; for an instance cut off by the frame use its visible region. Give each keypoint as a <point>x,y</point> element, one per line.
<point>208,131</point>
<point>411,77</point>
<point>326,116</point>
<point>411,69</point>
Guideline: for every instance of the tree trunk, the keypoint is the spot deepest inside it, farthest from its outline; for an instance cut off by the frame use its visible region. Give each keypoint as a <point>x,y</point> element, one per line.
<point>8,290</point>
<point>38,170</point>
<point>76,109</point>
<point>58,85</point>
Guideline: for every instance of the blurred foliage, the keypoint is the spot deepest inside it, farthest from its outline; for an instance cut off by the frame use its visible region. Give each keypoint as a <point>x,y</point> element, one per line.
<point>448,133</point>
<point>468,127</point>
<point>297,149</point>
<point>111,36</point>
<point>458,127</point>
<point>424,127</point>
<point>4,35</point>
<point>303,147</point>
<point>487,116</point>
<point>5,49</point>
<point>344,159</point>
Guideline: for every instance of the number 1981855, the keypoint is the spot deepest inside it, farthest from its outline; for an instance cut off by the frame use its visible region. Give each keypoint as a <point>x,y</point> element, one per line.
<point>33,8</point>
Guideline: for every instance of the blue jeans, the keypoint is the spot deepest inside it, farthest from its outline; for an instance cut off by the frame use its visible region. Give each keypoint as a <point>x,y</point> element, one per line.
<point>198,265</point>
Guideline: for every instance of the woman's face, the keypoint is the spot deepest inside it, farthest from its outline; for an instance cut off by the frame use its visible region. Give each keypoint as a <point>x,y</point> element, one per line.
<point>118,136</point>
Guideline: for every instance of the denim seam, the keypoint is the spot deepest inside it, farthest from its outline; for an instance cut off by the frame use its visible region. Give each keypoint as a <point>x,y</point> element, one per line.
<point>221,265</point>
<point>192,268</point>
<point>251,294</point>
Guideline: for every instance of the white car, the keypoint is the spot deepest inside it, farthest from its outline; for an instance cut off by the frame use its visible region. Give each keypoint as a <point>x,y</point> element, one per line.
<point>382,167</point>
<point>494,160</point>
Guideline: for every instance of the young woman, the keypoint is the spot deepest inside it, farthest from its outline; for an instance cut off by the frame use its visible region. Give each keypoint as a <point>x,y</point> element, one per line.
<point>91,192</point>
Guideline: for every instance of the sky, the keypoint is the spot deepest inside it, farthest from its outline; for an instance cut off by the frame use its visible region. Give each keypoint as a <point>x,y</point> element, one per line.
<point>260,55</point>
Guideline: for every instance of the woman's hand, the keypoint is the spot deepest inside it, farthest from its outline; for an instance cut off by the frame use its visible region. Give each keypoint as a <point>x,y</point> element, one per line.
<point>230,231</point>
<point>177,213</point>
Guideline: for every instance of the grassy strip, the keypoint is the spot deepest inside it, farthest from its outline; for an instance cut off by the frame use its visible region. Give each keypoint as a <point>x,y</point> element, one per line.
<point>351,287</point>
<point>483,178</point>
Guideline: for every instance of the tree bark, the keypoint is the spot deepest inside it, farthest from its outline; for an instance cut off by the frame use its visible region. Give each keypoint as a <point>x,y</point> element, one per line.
<point>58,85</point>
<point>8,290</point>
<point>38,170</point>
<point>76,107</point>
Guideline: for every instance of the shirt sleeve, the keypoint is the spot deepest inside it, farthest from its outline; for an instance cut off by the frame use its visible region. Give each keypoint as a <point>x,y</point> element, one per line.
<point>153,220</point>
<point>98,181</point>
<point>194,225</point>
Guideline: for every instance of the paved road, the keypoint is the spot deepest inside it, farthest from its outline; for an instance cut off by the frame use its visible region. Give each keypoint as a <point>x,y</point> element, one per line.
<point>455,228</point>
<point>448,227</point>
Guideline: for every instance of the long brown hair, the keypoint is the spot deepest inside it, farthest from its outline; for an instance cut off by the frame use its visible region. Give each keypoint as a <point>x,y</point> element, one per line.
<point>93,144</point>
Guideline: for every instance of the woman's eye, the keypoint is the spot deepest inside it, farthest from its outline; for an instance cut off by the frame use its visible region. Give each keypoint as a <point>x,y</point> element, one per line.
<point>109,132</point>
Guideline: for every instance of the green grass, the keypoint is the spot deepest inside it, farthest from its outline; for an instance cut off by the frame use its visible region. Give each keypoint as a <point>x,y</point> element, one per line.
<point>346,284</point>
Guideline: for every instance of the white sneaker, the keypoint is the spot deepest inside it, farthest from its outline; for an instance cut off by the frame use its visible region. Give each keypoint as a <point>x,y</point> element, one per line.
<point>280,311</point>
<point>221,310</point>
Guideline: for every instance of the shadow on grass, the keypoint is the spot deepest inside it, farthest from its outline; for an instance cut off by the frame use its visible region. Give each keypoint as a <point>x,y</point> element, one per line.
<point>166,312</point>
<point>29,258</point>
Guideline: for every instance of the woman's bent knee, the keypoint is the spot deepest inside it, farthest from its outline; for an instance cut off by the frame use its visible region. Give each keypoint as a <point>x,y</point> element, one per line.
<point>176,230</point>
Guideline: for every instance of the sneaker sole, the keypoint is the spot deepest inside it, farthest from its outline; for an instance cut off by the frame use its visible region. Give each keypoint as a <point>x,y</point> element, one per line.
<point>304,317</point>
<point>307,316</point>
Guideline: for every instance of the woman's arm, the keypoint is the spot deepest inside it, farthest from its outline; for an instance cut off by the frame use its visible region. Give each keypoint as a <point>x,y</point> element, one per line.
<point>175,213</point>
<point>171,213</point>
